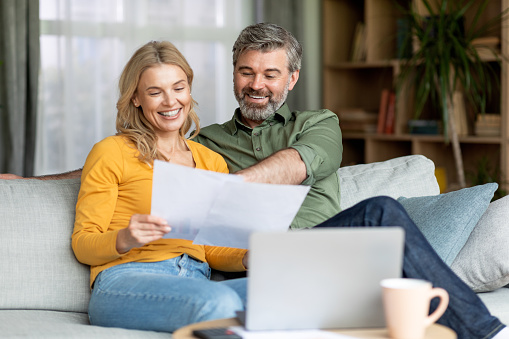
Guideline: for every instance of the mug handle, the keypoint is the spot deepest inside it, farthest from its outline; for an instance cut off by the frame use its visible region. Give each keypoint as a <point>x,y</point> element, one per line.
<point>442,306</point>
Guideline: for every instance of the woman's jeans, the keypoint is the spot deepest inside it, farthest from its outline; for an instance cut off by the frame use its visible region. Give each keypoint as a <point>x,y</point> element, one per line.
<point>166,295</point>
<point>466,314</point>
<point>162,296</point>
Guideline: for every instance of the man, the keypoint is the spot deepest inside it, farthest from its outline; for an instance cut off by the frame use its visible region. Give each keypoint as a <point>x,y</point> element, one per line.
<point>282,147</point>
<point>266,142</point>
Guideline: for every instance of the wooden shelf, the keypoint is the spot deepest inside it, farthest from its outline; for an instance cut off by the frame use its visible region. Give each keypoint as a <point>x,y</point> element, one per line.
<point>358,85</point>
<point>421,137</point>
<point>363,64</point>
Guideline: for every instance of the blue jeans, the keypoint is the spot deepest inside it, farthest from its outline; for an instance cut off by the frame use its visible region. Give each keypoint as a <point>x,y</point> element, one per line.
<point>165,296</point>
<point>162,296</point>
<point>466,315</point>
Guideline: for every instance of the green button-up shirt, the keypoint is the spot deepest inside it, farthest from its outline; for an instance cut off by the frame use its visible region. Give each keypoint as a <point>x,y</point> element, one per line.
<point>314,134</point>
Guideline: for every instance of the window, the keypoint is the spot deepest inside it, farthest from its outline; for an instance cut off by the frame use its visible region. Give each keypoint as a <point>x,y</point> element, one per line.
<point>85,44</point>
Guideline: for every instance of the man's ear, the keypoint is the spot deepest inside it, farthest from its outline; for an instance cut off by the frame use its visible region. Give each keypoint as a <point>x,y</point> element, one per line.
<point>293,79</point>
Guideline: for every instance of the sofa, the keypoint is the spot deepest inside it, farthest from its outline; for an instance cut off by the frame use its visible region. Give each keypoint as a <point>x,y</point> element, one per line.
<point>44,290</point>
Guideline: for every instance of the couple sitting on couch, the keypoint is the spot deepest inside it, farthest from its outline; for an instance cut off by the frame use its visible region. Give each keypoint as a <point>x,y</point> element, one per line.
<point>142,281</point>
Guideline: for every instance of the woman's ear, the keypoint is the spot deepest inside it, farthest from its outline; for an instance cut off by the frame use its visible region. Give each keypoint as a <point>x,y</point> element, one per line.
<point>134,100</point>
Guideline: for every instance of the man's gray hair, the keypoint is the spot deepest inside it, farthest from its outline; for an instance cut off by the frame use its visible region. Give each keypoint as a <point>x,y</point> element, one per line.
<point>267,37</point>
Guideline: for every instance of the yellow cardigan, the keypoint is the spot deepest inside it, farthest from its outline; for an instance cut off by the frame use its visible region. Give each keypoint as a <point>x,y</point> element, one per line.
<point>114,186</point>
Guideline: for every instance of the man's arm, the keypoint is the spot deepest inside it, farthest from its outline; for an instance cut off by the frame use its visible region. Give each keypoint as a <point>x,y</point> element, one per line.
<point>282,167</point>
<point>315,155</point>
<point>67,175</point>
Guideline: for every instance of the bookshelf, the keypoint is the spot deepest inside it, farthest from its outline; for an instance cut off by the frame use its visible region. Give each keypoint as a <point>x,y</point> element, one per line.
<point>350,86</point>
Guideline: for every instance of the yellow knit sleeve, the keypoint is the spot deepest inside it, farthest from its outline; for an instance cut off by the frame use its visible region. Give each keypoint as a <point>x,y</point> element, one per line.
<point>93,242</point>
<point>225,259</point>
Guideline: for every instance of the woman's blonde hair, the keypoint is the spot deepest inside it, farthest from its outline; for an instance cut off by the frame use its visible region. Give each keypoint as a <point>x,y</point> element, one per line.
<point>131,122</point>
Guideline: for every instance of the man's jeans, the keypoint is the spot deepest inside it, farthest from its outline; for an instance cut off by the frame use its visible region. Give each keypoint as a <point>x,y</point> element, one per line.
<point>167,295</point>
<point>466,314</point>
<point>162,296</point>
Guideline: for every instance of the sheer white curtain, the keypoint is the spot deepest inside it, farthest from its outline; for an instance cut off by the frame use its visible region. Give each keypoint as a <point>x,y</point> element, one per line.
<point>85,44</point>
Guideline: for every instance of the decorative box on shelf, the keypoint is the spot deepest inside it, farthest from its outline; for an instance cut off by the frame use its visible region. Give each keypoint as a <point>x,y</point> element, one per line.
<point>433,127</point>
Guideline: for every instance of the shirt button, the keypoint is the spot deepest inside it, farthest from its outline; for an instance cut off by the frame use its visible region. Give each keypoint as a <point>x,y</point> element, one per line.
<point>258,148</point>
<point>257,134</point>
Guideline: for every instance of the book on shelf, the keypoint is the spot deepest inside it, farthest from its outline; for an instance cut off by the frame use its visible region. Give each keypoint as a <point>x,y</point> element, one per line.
<point>487,125</point>
<point>357,120</point>
<point>358,49</point>
<point>487,47</point>
<point>382,111</point>
<point>430,127</point>
<point>386,112</point>
<point>403,47</point>
<point>391,114</point>
<point>491,41</point>
<point>487,52</point>
<point>459,113</point>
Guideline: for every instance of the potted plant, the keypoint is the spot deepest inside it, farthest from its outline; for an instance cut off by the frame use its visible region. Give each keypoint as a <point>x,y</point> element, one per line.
<point>445,60</point>
<point>485,173</point>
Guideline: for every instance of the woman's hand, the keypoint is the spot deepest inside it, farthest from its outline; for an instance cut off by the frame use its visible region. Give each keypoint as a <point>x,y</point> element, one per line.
<point>142,229</point>
<point>245,260</point>
<point>9,176</point>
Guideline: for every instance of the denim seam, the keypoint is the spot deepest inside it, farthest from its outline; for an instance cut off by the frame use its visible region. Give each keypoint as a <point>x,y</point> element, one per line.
<point>494,332</point>
<point>138,295</point>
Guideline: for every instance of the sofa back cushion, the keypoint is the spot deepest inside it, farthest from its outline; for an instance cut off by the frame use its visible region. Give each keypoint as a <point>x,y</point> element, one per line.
<point>38,267</point>
<point>407,176</point>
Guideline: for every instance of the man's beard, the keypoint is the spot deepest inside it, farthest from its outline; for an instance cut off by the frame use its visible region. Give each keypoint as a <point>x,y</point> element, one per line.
<point>256,112</point>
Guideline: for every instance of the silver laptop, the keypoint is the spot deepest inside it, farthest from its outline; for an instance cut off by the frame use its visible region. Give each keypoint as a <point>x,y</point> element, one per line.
<point>321,278</point>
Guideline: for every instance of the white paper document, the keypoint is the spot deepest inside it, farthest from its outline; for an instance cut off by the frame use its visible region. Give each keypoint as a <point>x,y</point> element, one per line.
<point>220,209</point>
<point>297,334</point>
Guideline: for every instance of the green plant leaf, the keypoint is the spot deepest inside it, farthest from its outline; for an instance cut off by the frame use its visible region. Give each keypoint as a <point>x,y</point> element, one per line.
<point>446,60</point>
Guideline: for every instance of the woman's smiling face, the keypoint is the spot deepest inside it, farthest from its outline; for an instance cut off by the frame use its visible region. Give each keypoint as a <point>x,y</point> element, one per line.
<point>164,95</point>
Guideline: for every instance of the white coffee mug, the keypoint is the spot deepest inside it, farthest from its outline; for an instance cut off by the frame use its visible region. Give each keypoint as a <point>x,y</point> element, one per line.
<point>406,305</point>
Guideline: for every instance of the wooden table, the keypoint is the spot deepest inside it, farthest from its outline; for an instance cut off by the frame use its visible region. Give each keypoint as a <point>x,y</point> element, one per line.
<point>435,331</point>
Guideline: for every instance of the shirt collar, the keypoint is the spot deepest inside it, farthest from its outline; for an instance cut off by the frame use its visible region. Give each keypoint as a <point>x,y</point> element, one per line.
<point>282,114</point>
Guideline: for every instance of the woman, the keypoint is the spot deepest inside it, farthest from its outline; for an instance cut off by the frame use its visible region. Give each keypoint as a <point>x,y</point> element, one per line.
<point>139,279</point>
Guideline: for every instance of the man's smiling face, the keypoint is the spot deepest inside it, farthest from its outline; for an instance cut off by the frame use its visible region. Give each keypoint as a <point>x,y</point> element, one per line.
<point>261,83</point>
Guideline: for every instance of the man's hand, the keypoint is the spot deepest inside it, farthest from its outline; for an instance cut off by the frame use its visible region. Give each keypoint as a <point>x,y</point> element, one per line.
<point>142,229</point>
<point>283,167</point>
<point>8,176</point>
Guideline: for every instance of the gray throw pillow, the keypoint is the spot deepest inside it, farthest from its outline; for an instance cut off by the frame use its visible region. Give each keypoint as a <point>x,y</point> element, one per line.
<point>483,263</point>
<point>446,220</point>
